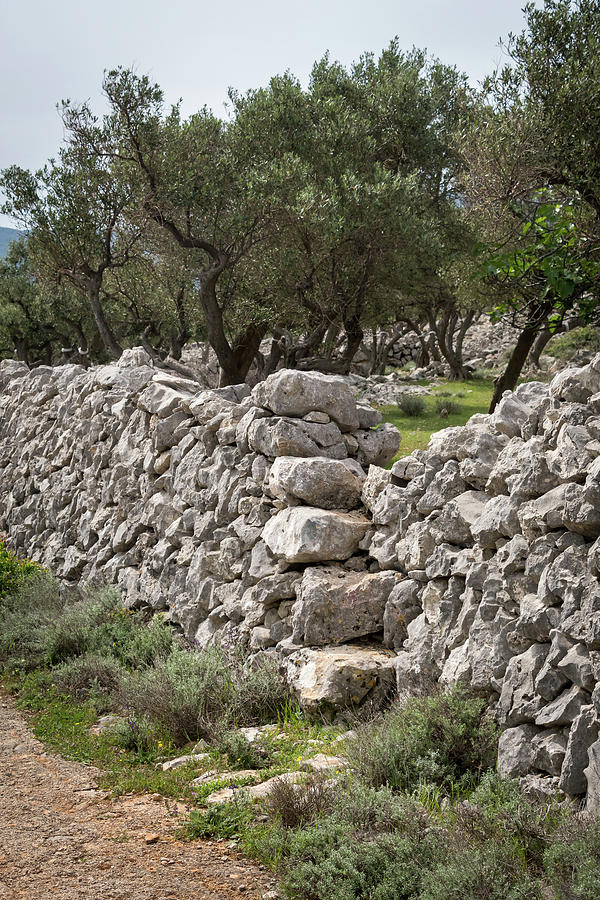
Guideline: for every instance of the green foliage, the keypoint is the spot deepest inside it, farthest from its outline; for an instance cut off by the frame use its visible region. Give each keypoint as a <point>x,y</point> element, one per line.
<point>28,613</point>
<point>485,873</point>
<point>43,628</point>
<point>411,406</point>
<point>140,736</point>
<point>308,209</point>
<point>551,260</point>
<point>450,407</point>
<point>13,571</point>
<point>445,739</point>
<point>240,753</point>
<point>90,676</point>
<point>554,69</point>
<point>7,237</point>
<point>565,346</point>
<point>197,694</point>
<point>531,183</point>
<point>326,863</point>
<point>223,820</point>
<point>572,861</point>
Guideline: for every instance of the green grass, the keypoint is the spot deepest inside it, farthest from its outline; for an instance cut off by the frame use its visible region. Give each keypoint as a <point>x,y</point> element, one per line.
<point>130,755</point>
<point>564,346</point>
<point>471,397</point>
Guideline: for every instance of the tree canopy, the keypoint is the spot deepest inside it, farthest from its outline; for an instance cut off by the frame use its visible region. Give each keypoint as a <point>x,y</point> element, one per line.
<point>385,194</point>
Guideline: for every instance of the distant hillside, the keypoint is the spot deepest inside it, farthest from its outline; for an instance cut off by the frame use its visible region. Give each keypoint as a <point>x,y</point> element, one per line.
<point>6,236</point>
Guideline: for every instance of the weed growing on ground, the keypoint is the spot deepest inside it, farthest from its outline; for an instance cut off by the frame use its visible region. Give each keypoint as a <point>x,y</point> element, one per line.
<point>224,820</point>
<point>444,739</point>
<point>446,407</point>
<point>474,395</point>
<point>412,406</point>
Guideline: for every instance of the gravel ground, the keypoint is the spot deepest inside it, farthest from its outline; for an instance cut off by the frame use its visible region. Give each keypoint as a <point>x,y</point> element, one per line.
<point>61,838</point>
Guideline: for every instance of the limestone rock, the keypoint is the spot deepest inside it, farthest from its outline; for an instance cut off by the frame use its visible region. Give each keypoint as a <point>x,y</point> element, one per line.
<point>592,777</point>
<point>499,519</point>
<point>377,446</point>
<point>549,751</point>
<point>305,534</point>
<point>322,482</point>
<point>516,750</point>
<point>334,607</point>
<point>276,436</point>
<point>322,762</point>
<point>340,677</point>
<point>459,514</point>
<point>583,733</point>
<point>293,393</point>
<point>519,702</point>
<point>511,414</point>
<point>564,709</point>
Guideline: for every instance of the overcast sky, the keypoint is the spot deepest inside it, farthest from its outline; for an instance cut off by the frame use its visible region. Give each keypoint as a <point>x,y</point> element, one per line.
<point>196,49</point>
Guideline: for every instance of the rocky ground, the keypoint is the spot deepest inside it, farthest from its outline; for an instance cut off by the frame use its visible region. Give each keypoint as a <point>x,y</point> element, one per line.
<point>61,838</point>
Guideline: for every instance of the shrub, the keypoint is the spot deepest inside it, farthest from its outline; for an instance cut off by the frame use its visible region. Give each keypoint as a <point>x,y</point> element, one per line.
<point>223,820</point>
<point>412,406</point>
<point>298,804</point>
<point>43,628</point>
<point>450,406</point>
<point>139,735</point>
<point>262,695</point>
<point>519,827</point>
<point>444,739</point>
<point>28,613</point>
<point>14,571</point>
<point>488,873</point>
<point>201,694</point>
<point>240,753</point>
<point>564,346</point>
<point>91,675</point>
<point>326,862</point>
<point>371,811</point>
<point>572,862</point>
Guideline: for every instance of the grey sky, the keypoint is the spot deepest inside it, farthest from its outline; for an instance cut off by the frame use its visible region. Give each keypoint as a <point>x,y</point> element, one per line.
<point>196,50</point>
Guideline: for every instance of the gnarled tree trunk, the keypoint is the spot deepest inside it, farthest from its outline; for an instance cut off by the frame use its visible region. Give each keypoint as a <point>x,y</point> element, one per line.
<point>111,345</point>
<point>508,380</point>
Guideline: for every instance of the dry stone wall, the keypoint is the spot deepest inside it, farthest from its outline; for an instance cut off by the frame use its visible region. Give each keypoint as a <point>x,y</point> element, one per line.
<point>495,529</point>
<point>268,516</point>
<point>208,504</point>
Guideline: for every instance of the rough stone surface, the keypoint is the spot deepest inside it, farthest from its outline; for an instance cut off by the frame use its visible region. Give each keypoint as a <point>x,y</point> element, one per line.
<point>474,561</point>
<point>305,534</point>
<point>323,482</point>
<point>335,606</point>
<point>292,393</point>
<point>341,676</point>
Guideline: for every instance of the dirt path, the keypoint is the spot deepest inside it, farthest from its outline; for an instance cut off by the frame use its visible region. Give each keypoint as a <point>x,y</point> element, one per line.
<point>61,838</point>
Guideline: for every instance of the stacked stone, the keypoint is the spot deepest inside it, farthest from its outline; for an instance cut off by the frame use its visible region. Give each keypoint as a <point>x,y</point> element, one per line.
<point>487,344</point>
<point>495,529</point>
<point>212,505</point>
<point>267,516</point>
<point>405,350</point>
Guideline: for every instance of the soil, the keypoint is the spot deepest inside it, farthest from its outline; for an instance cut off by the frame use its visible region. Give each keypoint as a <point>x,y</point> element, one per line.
<point>62,838</point>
